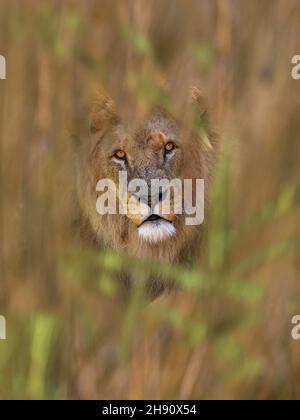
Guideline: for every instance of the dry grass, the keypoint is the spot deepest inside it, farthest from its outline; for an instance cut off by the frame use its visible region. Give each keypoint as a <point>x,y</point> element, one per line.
<point>227,334</point>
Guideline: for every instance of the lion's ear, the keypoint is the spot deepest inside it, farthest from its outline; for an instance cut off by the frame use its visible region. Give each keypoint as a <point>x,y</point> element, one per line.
<point>200,117</point>
<point>102,112</point>
<point>200,101</point>
<point>202,120</point>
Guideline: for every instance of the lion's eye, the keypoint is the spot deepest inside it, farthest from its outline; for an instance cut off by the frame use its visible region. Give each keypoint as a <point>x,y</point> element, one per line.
<point>120,154</point>
<point>169,146</point>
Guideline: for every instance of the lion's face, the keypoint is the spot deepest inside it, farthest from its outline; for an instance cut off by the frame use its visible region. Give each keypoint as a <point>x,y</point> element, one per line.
<point>157,150</point>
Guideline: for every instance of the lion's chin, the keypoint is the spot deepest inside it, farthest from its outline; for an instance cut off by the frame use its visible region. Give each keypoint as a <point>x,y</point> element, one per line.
<point>157,231</point>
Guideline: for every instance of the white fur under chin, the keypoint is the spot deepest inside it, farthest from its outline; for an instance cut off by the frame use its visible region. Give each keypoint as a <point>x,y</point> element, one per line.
<point>154,232</point>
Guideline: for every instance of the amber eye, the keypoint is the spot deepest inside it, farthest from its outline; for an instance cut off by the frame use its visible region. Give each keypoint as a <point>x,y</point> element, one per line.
<point>120,154</point>
<point>169,146</point>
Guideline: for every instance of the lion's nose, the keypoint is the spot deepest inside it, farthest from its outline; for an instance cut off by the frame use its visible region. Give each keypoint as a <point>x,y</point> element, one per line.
<point>146,199</point>
<point>150,200</point>
<point>154,199</point>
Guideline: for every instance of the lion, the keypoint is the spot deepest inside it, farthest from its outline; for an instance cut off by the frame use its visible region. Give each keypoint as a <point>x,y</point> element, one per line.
<point>163,148</point>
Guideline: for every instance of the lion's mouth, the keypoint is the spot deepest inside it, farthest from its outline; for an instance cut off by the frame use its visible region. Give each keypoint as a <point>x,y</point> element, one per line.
<point>156,229</point>
<point>154,218</point>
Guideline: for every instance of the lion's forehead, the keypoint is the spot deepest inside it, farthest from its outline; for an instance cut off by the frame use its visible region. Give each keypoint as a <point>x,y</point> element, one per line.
<point>134,136</point>
<point>165,125</point>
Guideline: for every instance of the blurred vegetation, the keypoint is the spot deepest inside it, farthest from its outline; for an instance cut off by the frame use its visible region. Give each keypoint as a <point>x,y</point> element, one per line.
<point>226,334</point>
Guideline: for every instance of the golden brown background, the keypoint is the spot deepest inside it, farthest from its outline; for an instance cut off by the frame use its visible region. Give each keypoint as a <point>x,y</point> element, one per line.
<point>228,334</point>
